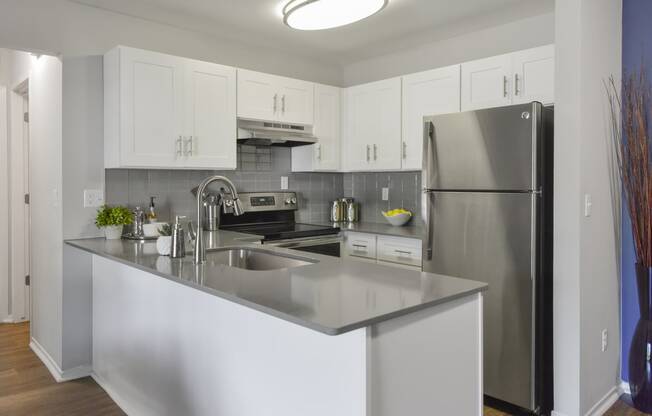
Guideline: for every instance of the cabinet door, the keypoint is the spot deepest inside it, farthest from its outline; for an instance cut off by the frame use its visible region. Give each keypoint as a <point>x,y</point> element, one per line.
<point>373,131</point>
<point>534,75</point>
<point>296,101</point>
<point>386,125</point>
<point>151,105</point>
<point>258,98</point>
<point>425,94</point>
<point>486,83</point>
<point>327,127</point>
<point>210,116</point>
<point>356,141</point>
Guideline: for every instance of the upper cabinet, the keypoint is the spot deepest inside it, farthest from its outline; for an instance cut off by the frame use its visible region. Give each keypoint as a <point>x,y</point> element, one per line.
<point>513,78</point>
<point>372,133</point>
<point>268,97</point>
<point>534,75</point>
<point>325,155</point>
<point>163,111</point>
<point>426,94</point>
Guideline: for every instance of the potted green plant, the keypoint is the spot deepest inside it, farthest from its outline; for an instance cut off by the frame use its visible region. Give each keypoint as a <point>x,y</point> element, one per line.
<point>112,219</point>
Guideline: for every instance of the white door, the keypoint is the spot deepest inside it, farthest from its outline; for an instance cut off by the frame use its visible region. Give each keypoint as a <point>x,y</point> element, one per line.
<point>151,108</point>
<point>358,118</point>
<point>385,125</point>
<point>258,98</point>
<point>425,94</point>
<point>327,128</point>
<point>210,116</point>
<point>534,75</point>
<point>487,83</point>
<point>296,100</point>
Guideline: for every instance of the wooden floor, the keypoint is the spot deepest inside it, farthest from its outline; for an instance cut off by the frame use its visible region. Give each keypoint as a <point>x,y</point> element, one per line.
<point>28,389</point>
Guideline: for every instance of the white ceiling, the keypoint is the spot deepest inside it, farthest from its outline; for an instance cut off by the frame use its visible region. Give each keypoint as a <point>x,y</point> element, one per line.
<point>402,23</point>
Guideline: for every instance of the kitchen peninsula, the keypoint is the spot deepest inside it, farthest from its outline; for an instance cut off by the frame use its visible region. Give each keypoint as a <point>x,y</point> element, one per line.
<point>276,332</point>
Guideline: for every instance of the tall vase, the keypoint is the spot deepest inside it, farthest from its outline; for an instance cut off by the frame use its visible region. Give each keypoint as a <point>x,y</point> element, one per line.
<point>640,351</point>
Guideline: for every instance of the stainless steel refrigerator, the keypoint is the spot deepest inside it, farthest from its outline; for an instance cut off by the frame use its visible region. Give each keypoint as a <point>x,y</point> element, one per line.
<point>487,208</point>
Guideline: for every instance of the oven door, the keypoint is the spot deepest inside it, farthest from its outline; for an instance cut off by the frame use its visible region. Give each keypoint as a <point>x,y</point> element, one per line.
<point>329,245</point>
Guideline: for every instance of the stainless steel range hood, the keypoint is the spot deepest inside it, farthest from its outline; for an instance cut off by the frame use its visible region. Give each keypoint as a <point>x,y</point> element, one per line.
<point>266,133</point>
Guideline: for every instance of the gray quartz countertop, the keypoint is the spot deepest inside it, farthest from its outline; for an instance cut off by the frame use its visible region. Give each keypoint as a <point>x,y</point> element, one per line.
<point>330,295</point>
<point>409,231</point>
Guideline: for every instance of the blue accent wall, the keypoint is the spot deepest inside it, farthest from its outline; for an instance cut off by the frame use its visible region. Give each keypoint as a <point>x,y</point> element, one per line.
<point>637,49</point>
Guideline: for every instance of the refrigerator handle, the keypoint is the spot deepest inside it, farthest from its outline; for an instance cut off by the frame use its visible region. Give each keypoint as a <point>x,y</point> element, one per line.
<point>427,201</point>
<point>428,154</point>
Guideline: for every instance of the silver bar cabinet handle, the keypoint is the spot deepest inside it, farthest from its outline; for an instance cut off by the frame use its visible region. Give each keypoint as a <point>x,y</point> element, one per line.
<point>375,152</point>
<point>283,104</point>
<point>275,100</point>
<point>368,150</point>
<point>179,145</point>
<point>505,81</point>
<point>404,150</point>
<point>516,91</point>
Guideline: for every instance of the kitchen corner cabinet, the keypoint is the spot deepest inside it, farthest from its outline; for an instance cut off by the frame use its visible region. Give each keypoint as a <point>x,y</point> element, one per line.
<point>325,155</point>
<point>425,94</point>
<point>514,78</point>
<point>372,132</point>
<point>266,97</point>
<point>162,111</point>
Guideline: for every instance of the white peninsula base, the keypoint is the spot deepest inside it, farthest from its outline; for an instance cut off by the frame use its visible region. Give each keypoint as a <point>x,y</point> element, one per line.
<point>164,348</point>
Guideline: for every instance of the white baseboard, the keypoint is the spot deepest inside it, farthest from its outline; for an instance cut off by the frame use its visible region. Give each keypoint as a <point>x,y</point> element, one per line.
<point>122,404</point>
<point>58,374</point>
<point>555,413</point>
<point>606,402</point>
<point>624,387</point>
<point>8,320</point>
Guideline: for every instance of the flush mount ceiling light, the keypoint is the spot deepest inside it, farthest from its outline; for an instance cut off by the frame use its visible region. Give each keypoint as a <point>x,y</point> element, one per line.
<point>326,14</point>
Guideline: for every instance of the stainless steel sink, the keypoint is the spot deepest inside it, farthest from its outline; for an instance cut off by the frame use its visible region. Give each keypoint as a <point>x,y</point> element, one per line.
<point>254,259</point>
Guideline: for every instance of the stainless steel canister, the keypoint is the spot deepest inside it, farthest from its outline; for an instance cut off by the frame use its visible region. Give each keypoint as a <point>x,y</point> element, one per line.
<point>338,211</point>
<point>352,211</point>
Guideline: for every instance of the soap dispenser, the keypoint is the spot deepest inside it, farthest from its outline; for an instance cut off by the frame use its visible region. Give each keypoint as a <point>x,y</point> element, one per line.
<point>151,215</point>
<point>178,249</point>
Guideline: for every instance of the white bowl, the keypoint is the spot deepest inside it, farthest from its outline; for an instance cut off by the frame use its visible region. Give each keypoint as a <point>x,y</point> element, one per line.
<point>151,229</point>
<point>398,220</point>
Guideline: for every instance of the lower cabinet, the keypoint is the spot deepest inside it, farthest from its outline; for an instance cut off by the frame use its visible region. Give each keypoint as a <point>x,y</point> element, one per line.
<point>387,250</point>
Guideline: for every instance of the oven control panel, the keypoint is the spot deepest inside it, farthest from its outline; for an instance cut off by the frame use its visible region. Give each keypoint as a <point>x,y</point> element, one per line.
<point>265,201</point>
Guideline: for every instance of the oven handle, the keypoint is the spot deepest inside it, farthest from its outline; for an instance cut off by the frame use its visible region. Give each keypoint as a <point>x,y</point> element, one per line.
<point>304,242</point>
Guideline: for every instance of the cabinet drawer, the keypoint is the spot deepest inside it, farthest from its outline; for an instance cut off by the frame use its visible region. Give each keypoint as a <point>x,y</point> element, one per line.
<point>399,250</point>
<point>361,245</point>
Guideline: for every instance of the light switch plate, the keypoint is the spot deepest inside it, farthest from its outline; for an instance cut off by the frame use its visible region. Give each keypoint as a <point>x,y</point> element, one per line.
<point>284,183</point>
<point>385,194</point>
<point>93,198</point>
<point>588,205</point>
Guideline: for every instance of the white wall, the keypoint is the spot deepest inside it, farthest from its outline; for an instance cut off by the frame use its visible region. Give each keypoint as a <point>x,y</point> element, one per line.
<point>586,296</point>
<point>4,205</point>
<point>72,29</point>
<point>46,207</point>
<point>521,34</point>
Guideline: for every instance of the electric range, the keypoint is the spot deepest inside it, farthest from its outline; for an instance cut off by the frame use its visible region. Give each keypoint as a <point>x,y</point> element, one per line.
<point>272,216</point>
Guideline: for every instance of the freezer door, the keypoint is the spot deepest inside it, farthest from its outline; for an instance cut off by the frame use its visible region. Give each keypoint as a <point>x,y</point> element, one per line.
<point>488,237</point>
<point>492,149</point>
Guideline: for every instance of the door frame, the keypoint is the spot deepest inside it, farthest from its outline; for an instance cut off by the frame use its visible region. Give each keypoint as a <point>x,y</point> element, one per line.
<point>19,216</point>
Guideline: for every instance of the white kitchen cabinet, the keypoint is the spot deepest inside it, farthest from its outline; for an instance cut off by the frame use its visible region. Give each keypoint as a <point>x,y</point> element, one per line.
<point>398,252</point>
<point>162,111</point>
<point>486,83</point>
<point>425,94</point>
<point>373,126</point>
<point>515,78</point>
<point>266,97</point>
<point>534,75</point>
<point>210,114</point>
<point>325,155</point>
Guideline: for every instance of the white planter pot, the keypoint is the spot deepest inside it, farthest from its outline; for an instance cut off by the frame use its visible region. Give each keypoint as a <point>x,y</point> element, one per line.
<point>163,245</point>
<point>113,232</point>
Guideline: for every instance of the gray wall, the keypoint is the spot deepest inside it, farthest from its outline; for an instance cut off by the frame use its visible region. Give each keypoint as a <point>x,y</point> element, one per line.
<point>259,169</point>
<point>366,188</point>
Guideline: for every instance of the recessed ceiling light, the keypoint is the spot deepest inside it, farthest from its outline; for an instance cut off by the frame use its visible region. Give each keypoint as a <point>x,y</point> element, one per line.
<point>326,14</point>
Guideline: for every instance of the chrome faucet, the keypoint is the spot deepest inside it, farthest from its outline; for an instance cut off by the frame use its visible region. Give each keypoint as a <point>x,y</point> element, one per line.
<point>200,250</point>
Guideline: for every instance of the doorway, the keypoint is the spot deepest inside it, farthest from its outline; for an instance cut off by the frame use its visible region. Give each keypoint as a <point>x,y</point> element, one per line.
<point>19,197</point>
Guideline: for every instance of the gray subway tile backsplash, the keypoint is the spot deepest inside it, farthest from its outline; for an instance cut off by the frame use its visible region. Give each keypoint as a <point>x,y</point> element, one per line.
<point>260,169</point>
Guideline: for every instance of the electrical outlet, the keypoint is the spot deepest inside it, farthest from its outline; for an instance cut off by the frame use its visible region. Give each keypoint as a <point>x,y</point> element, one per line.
<point>385,194</point>
<point>588,205</point>
<point>604,340</point>
<point>284,183</point>
<point>93,198</point>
